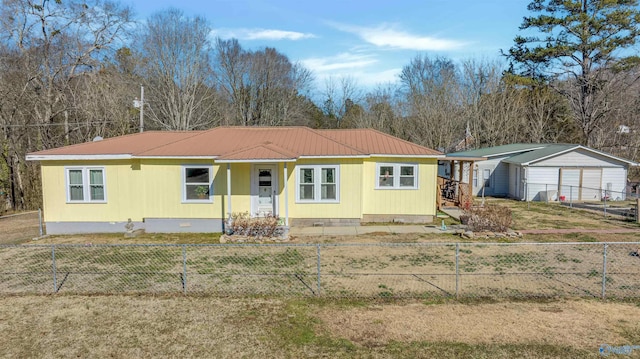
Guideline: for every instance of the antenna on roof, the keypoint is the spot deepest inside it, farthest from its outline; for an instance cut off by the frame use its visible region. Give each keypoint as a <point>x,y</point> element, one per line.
<point>97,138</point>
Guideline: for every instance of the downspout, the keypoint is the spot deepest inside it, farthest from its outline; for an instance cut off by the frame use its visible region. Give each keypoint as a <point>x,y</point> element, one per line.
<point>229,193</point>
<point>286,196</point>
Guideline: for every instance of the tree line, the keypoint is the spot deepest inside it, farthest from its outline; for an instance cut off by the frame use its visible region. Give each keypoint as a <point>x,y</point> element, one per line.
<point>70,70</point>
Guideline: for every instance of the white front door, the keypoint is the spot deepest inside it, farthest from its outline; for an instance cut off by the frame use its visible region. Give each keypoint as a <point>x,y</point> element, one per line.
<point>264,189</point>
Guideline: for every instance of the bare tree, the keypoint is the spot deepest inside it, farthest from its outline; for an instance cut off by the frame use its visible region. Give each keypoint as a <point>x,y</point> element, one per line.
<point>339,97</point>
<point>262,87</point>
<point>433,106</point>
<point>51,43</point>
<point>176,52</point>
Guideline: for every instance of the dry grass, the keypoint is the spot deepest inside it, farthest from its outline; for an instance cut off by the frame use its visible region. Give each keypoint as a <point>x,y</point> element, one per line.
<point>205,327</point>
<point>118,238</point>
<point>576,324</point>
<point>18,227</point>
<point>539,215</point>
<point>134,327</point>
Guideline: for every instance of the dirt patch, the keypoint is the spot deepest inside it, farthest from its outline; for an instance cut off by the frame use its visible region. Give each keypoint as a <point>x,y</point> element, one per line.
<point>577,324</point>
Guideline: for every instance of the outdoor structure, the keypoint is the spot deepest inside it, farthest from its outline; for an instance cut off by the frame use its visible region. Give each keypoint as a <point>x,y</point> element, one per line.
<point>540,172</point>
<point>192,181</point>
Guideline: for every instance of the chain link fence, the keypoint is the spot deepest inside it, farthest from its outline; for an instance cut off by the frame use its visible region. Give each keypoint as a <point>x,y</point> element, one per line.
<point>493,270</point>
<point>605,201</point>
<point>19,227</point>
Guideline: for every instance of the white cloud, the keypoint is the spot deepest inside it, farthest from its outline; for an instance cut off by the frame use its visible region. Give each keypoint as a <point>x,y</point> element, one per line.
<point>261,34</point>
<point>342,61</point>
<point>387,35</point>
<point>359,67</point>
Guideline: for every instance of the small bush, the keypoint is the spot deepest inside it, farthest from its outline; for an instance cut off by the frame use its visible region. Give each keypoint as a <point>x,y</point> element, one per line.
<point>244,225</point>
<point>492,218</point>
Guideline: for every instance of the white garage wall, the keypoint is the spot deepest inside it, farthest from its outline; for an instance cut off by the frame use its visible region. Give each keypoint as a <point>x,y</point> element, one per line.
<point>579,158</point>
<point>542,181</point>
<point>499,177</point>
<point>591,184</point>
<point>618,179</point>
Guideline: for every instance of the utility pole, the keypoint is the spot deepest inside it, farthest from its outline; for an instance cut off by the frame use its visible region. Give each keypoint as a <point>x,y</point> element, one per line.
<point>140,105</point>
<point>141,108</point>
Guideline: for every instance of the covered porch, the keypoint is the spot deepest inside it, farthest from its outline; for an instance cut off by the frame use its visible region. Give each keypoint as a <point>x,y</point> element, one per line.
<point>455,183</point>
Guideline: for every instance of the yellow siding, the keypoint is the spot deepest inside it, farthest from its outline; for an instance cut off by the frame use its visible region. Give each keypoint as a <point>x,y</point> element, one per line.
<point>240,187</point>
<point>162,195</point>
<point>135,189</point>
<point>123,199</point>
<point>350,184</point>
<point>419,201</point>
<point>153,189</point>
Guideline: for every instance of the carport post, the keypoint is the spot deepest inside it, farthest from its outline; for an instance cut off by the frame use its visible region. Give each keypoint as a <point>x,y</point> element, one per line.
<point>53,268</point>
<point>604,270</point>
<point>457,270</point>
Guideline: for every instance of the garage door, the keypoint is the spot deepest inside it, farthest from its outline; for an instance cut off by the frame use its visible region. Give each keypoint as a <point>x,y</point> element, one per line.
<point>570,180</point>
<point>591,183</point>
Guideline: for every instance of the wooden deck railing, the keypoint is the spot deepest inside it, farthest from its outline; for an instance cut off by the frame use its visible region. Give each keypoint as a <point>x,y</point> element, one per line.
<point>453,193</point>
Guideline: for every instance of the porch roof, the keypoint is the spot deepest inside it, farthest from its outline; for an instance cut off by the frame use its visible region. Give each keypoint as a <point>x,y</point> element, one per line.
<point>264,152</point>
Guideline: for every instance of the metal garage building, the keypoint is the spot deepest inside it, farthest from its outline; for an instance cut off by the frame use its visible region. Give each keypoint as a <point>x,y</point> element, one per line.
<point>549,172</point>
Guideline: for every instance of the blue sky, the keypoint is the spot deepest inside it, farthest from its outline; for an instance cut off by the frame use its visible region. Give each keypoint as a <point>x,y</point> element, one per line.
<point>368,41</point>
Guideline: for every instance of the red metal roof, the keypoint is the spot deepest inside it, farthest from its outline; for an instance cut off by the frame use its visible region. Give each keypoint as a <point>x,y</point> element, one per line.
<point>375,142</point>
<point>247,143</point>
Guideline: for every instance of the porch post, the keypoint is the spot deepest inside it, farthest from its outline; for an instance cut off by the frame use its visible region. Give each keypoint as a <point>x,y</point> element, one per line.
<point>286,196</point>
<point>452,167</point>
<point>471,164</point>
<point>229,190</point>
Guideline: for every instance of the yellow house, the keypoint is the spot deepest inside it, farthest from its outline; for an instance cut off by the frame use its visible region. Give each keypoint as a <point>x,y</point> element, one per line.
<point>192,181</point>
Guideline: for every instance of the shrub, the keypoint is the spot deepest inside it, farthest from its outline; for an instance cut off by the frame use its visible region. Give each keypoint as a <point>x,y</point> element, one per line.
<point>492,218</point>
<point>245,225</point>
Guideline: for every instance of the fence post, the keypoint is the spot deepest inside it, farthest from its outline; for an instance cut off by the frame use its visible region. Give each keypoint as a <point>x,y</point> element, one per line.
<point>457,270</point>
<point>53,268</point>
<point>604,207</point>
<point>570,196</point>
<point>318,269</point>
<point>604,270</point>
<point>40,221</point>
<point>184,268</point>
<point>546,193</point>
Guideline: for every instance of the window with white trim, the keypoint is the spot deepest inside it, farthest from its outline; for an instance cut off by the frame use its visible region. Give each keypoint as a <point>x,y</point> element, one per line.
<point>86,184</point>
<point>197,183</point>
<point>396,176</point>
<point>318,183</point>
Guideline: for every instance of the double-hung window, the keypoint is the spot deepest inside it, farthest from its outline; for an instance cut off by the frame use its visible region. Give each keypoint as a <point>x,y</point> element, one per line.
<point>318,183</point>
<point>197,183</point>
<point>86,184</point>
<point>396,176</point>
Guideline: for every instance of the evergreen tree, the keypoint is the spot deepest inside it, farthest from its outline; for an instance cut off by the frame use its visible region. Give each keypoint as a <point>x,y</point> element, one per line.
<point>579,51</point>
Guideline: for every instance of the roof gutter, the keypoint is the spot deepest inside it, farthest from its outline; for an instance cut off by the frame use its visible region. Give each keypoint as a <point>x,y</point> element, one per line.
<point>77,157</point>
<point>257,161</point>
